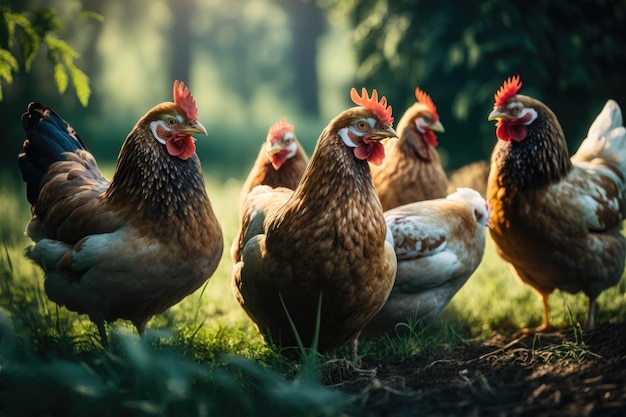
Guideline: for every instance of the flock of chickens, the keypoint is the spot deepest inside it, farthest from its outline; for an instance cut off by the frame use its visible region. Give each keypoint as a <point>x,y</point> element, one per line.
<point>362,236</point>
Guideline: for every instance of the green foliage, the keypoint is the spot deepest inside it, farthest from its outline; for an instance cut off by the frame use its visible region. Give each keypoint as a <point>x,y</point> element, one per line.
<point>34,30</point>
<point>570,55</point>
<point>62,56</point>
<point>135,378</point>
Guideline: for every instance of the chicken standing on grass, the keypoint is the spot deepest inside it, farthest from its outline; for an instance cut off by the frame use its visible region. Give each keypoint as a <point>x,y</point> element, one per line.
<point>324,244</point>
<point>556,220</point>
<point>280,163</point>
<point>132,247</point>
<point>411,170</point>
<point>439,244</point>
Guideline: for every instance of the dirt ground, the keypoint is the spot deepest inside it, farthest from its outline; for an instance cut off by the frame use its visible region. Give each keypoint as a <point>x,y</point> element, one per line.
<point>548,375</point>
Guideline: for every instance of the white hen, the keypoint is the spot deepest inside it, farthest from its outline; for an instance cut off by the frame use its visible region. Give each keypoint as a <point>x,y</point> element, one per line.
<point>439,244</point>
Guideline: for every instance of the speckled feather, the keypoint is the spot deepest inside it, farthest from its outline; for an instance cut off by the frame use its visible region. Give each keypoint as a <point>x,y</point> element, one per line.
<point>439,243</point>
<point>130,248</point>
<point>556,221</point>
<point>328,238</point>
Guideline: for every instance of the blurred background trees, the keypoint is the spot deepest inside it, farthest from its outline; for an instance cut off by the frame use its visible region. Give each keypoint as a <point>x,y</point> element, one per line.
<point>570,54</point>
<point>251,62</point>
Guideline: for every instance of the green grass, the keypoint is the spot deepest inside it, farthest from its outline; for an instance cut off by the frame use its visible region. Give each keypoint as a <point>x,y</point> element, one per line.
<point>203,356</point>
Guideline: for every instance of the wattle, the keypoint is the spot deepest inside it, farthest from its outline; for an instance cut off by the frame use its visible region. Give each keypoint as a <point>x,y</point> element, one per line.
<point>278,159</point>
<point>373,152</point>
<point>430,138</point>
<point>181,146</point>
<point>508,130</point>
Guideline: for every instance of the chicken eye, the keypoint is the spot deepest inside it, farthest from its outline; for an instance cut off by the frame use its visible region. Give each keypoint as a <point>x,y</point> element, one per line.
<point>171,121</point>
<point>362,125</point>
<point>516,110</point>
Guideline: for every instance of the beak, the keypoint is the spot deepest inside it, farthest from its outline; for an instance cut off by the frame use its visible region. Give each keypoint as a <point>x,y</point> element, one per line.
<point>275,148</point>
<point>437,127</point>
<point>384,133</point>
<point>194,128</point>
<point>497,114</point>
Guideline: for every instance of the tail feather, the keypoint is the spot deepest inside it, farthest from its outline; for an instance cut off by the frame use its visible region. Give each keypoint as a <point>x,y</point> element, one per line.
<point>606,141</point>
<point>48,137</point>
<point>609,118</point>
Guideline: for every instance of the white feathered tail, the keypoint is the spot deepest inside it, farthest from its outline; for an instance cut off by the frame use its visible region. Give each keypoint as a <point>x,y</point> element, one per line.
<point>605,143</point>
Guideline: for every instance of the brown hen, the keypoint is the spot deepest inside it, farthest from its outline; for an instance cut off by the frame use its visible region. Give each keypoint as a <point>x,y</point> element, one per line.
<point>557,220</point>
<point>323,245</point>
<point>411,170</point>
<point>280,163</point>
<point>132,247</point>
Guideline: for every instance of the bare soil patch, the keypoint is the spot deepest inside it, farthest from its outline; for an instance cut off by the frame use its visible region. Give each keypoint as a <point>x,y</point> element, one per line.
<point>555,374</point>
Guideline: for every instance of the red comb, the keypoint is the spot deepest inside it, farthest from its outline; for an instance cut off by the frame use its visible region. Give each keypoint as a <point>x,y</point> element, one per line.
<point>510,87</point>
<point>380,109</point>
<point>424,98</point>
<point>279,127</point>
<point>184,100</point>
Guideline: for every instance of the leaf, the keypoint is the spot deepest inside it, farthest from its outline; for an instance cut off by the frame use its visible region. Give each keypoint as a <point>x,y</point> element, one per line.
<point>8,65</point>
<point>45,21</point>
<point>81,84</point>
<point>60,77</point>
<point>9,28</point>
<point>60,47</point>
<point>92,15</point>
<point>29,43</point>
<point>62,55</point>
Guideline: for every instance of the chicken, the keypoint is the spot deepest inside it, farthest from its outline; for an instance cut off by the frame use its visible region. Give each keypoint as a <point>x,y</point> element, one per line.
<point>438,243</point>
<point>129,248</point>
<point>280,163</point>
<point>473,175</point>
<point>557,220</point>
<point>411,170</point>
<point>321,248</point>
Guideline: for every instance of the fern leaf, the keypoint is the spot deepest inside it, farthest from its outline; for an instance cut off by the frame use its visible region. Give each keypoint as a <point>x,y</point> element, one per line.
<point>8,65</point>
<point>29,43</point>
<point>60,77</point>
<point>9,27</point>
<point>8,62</point>
<point>81,85</point>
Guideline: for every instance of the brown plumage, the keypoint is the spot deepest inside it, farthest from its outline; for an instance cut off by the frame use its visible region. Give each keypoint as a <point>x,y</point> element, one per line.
<point>557,220</point>
<point>473,175</point>
<point>280,163</point>
<point>411,170</point>
<point>130,248</point>
<point>322,243</point>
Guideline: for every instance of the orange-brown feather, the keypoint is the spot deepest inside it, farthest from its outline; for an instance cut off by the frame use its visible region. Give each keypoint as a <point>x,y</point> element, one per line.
<point>263,173</point>
<point>328,240</point>
<point>411,170</point>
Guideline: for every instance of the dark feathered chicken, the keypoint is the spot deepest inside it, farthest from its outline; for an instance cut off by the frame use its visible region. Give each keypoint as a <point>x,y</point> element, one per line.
<point>130,248</point>
<point>557,220</point>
